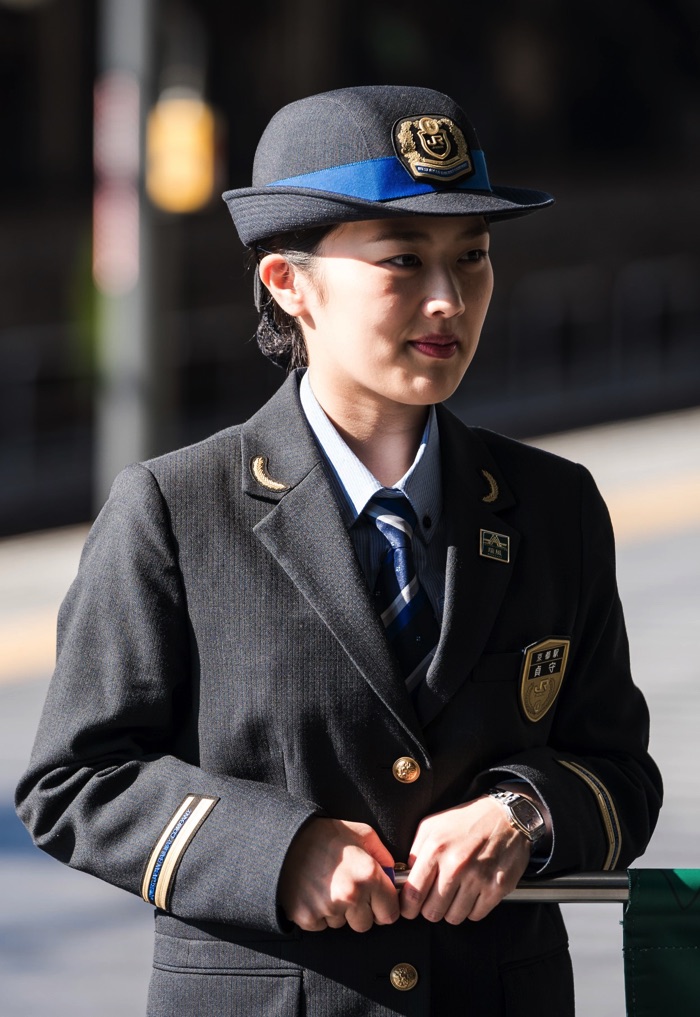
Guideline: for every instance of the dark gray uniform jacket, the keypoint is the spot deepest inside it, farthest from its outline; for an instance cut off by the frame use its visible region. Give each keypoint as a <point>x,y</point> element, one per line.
<point>219,648</point>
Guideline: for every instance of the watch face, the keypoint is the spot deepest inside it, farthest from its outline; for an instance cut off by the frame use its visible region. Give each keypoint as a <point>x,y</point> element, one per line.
<point>527,814</point>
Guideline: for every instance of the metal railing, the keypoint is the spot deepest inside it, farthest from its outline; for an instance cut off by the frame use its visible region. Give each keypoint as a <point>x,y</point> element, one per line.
<point>585,887</point>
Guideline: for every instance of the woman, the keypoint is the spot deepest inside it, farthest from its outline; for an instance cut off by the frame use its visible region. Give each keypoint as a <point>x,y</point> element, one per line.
<point>351,634</point>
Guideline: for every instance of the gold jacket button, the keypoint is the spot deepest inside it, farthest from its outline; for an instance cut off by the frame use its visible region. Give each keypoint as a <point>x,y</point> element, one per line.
<point>403,977</point>
<point>406,770</point>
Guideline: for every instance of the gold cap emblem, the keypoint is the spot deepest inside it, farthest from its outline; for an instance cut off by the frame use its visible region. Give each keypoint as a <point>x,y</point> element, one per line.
<point>432,148</point>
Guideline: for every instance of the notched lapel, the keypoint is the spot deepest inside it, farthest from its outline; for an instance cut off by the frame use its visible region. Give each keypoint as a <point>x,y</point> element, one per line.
<point>475,584</point>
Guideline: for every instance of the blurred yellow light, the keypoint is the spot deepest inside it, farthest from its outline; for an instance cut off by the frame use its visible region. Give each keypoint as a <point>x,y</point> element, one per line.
<point>180,154</point>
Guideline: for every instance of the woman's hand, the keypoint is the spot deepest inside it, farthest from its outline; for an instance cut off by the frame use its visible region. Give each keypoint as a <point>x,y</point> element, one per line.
<point>333,874</point>
<point>463,863</point>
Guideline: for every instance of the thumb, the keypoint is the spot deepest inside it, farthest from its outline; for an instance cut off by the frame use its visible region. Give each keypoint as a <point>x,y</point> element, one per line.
<point>374,847</point>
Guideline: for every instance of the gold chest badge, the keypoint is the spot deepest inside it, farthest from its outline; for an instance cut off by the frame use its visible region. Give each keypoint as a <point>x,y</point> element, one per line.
<point>432,148</point>
<point>542,674</point>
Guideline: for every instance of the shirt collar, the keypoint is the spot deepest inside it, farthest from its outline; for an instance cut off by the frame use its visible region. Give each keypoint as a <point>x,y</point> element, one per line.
<point>422,483</point>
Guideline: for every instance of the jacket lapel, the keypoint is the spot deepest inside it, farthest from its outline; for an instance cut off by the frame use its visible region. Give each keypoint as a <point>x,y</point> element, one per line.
<point>305,533</point>
<point>474,493</point>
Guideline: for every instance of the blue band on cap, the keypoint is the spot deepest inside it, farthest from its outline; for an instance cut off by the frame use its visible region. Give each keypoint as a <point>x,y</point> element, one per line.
<point>382,180</point>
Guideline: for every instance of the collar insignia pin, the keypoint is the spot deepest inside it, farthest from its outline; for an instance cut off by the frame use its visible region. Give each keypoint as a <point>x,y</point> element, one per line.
<point>493,487</point>
<point>258,467</point>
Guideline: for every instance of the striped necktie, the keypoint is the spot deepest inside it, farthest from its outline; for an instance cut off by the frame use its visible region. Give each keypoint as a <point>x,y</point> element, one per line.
<point>401,601</point>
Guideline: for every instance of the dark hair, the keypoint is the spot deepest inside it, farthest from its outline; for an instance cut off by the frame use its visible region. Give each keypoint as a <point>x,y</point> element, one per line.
<point>279,335</point>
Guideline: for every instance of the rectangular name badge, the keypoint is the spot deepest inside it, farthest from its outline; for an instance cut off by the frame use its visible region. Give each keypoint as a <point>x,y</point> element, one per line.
<point>494,545</point>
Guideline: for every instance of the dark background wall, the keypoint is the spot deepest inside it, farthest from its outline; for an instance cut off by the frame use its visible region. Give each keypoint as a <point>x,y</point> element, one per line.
<point>596,314</point>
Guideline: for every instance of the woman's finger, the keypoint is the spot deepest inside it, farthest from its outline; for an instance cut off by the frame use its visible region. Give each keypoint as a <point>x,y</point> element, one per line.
<point>417,888</point>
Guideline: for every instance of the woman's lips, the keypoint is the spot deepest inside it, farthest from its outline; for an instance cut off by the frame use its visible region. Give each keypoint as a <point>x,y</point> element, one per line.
<point>442,347</point>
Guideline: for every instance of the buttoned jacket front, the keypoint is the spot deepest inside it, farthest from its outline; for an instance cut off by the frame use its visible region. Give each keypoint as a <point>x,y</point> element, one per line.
<point>220,641</point>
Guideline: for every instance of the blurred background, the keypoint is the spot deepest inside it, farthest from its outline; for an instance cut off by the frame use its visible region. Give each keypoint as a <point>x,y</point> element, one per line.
<point>126,324</point>
<point>125,310</point>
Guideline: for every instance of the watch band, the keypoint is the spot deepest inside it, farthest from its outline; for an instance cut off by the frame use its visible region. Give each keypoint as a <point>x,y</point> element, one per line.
<point>522,813</point>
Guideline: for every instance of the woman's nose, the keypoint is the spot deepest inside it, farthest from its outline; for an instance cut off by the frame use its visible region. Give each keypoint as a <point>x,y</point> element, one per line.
<point>444,298</point>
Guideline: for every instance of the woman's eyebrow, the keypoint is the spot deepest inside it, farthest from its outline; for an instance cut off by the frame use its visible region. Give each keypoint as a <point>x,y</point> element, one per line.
<point>408,234</point>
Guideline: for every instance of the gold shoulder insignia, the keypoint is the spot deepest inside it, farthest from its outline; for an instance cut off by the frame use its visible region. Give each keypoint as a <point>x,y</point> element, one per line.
<point>493,487</point>
<point>258,467</point>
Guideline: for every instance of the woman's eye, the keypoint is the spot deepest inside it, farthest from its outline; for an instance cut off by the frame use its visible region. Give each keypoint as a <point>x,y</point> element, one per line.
<point>478,254</point>
<point>405,260</point>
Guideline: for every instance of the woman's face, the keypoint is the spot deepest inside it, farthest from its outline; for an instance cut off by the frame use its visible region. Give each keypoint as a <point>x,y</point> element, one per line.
<point>393,310</point>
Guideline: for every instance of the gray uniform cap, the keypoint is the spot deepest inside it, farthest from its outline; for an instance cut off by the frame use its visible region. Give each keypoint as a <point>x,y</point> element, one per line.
<point>370,152</point>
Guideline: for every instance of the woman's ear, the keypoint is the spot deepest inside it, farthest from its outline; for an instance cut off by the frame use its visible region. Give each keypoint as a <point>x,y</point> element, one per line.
<point>285,283</point>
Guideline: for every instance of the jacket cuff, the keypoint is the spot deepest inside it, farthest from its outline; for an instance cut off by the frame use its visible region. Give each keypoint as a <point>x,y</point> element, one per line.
<point>585,831</point>
<point>228,856</point>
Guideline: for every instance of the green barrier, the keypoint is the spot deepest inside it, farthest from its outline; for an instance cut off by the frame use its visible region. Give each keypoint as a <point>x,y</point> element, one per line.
<point>661,943</point>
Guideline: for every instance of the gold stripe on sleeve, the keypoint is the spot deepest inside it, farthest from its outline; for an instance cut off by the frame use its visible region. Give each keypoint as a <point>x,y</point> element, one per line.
<point>153,858</point>
<point>174,856</point>
<point>170,846</point>
<point>607,811</point>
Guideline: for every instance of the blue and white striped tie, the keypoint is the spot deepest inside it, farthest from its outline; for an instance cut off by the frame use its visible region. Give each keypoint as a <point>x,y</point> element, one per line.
<point>400,599</point>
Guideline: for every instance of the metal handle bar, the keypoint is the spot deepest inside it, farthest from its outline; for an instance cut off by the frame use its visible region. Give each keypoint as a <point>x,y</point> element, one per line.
<point>585,887</point>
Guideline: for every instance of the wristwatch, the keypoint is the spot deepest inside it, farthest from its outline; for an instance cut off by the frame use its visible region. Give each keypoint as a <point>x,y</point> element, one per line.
<point>523,814</point>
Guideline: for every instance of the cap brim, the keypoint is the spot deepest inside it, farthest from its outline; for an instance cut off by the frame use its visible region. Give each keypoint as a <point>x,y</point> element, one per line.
<point>260,212</point>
